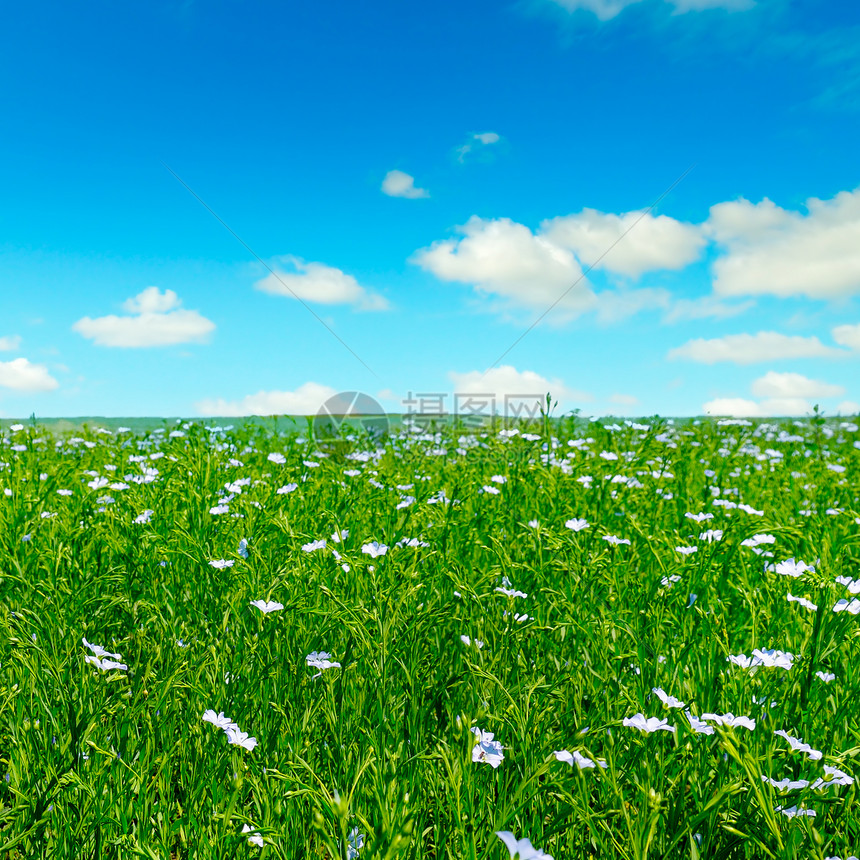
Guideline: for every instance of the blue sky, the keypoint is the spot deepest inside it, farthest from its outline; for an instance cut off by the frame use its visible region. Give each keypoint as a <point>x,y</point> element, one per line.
<point>455,198</point>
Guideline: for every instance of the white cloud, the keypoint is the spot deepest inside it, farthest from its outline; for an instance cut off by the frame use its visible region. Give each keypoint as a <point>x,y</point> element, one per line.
<point>305,400</point>
<point>701,5</point>
<point>22,375</point>
<point>652,243</point>
<point>848,407</point>
<point>400,184</point>
<point>705,307</point>
<point>316,282</point>
<point>738,407</point>
<point>781,252</point>
<point>505,259</point>
<point>847,335</point>
<point>624,399</point>
<point>477,142</point>
<point>155,320</point>
<point>603,9</point>
<point>792,385</point>
<point>507,381</point>
<point>783,394</point>
<point>152,301</point>
<point>607,9</point>
<point>752,348</point>
<point>10,342</point>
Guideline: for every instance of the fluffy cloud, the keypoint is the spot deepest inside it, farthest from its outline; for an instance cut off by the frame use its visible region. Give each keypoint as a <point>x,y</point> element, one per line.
<point>847,335</point>
<point>848,407</point>
<point>156,319</point>
<point>476,143</point>
<point>508,385</point>
<point>316,282</point>
<point>793,385</point>
<point>305,400</point>
<point>400,184</point>
<point>784,394</point>
<point>606,9</point>
<point>649,242</point>
<point>505,259</point>
<point>10,342</point>
<point>752,348</point>
<point>771,250</point>
<point>22,375</point>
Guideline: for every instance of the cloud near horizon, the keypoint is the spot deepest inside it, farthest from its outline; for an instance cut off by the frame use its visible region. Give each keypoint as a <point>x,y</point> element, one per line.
<point>753,348</point>
<point>305,400</point>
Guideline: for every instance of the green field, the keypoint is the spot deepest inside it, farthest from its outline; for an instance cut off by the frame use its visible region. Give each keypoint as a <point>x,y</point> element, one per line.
<point>613,603</point>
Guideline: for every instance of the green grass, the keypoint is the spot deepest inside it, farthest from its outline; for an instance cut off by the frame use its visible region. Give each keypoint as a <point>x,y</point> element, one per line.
<point>103,764</point>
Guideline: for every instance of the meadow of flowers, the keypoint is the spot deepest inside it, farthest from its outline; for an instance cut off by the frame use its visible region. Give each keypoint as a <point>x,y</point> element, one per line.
<point>559,640</point>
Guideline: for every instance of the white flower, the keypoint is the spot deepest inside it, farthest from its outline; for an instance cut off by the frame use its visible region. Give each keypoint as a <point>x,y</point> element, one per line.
<point>267,606</point>
<point>374,549</point>
<point>834,777</point>
<point>686,550</point>
<point>511,592</point>
<point>467,641</point>
<point>750,510</point>
<point>243,548</point>
<point>711,535</point>
<point>104,664</point>
<point>576,758</point>
<point>218,720</point>
<point>786,784</point>
<point>254,838</point>
<point>320,660</point>
<point>314,545</point>
<point>666,699</point>
<point>521,848</point>
<point>499,479</point>
<point>699,517</point>
<point>766,657</point>
<point>651,724</point>
<point>670,580</point>
<point>287,488</point>
<point>487,489</point>
<point>792,811</point>
<point>699,726</point>
<point>486,749</point>
<point>827,677</point>
<point>806,604</point>
<point>280,459</point>
<point>577,525</point>
<point>730,720</point>
<point>99,651</point>
<point>853,585</point>
<point>339,537</point>
<point>844,606</point>
<point>615,540</point>
<point>790,567</point>
<point>221,563</point>
<point>533,524</point>
<point>240,738</point>
<point>755,540</point>
<point>799,746</point>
